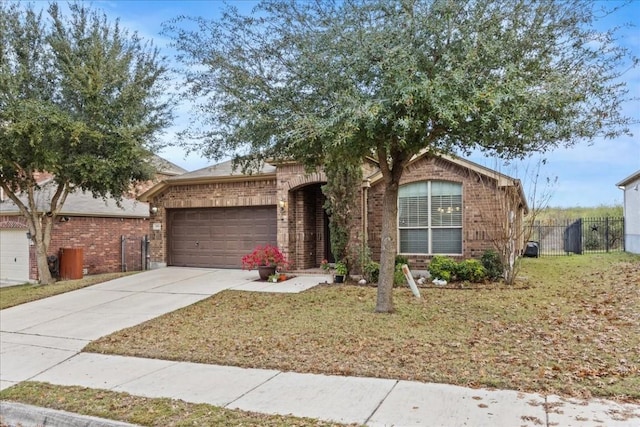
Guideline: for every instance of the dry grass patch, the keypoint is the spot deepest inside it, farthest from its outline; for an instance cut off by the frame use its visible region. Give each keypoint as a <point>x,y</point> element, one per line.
<point>16,295</point>
<point>571,327</point>
<point>144,411</point>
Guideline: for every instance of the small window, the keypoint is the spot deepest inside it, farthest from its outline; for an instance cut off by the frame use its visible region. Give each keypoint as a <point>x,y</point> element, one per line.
<point>430,218</point>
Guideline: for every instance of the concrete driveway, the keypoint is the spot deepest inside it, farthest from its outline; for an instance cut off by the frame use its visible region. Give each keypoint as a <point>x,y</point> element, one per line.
<point>41,334</point>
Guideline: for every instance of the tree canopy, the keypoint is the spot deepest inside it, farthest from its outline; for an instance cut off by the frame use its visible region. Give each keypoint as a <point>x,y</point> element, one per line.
<point>391,79</point>
<point>81,99</point>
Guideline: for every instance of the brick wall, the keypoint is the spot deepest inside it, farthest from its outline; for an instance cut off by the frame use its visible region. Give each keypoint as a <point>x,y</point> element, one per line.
<point>483,204</point>
<point>301,233</point>
<point>252,192</point>
<point>98,237</point>
<point>306,227</point>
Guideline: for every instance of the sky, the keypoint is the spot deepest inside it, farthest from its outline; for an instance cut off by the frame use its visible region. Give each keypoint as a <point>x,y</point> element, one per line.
<point>584,175</point>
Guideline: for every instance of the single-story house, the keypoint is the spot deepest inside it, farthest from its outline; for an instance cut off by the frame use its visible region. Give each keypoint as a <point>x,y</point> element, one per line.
<point>631,187</point>
<point>109,235</point>
<point>213,216</point>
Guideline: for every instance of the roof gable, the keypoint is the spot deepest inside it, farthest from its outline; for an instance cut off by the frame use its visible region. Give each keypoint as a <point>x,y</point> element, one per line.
<point>165,167</point>
<point>501,179</point>
<point>224,171</point>
<point>80,203</point>
<point>628,180</point>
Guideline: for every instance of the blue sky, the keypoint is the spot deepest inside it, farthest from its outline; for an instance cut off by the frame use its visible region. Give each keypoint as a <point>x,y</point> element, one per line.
<point>586,174</point>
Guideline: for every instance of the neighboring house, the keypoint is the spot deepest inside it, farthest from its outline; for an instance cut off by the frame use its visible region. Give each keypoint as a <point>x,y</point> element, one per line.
<point>164,169</point>
<point>213,216</point>
<point>631,188</point>
<point>101,228</point>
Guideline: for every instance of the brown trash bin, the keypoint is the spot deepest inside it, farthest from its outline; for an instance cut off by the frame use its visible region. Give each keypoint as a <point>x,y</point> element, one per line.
<point>71,260</point>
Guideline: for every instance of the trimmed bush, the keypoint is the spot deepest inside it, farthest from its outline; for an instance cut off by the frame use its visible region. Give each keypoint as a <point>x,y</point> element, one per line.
<point>442,267</point>
<point>471,270</point>
<point>448,269</point>
<point>492,263</point>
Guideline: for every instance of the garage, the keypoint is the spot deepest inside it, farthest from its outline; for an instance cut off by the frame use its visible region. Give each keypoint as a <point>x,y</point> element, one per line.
<point>14,255</point>
<point>218,237</point>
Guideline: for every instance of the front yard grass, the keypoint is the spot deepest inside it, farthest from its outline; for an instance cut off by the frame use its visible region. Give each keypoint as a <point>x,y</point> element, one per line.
<point>20,294</point>
<point>570,327</point>
<point>144,411</point>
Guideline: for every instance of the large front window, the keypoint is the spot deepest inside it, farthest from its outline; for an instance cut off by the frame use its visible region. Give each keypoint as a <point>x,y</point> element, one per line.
<point>430,218</point>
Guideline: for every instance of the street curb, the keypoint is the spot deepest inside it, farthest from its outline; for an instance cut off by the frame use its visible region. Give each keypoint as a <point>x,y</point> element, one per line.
<point>18,414</point>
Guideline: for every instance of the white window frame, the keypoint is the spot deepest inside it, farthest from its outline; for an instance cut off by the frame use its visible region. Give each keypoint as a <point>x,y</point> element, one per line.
<point>430,226</point>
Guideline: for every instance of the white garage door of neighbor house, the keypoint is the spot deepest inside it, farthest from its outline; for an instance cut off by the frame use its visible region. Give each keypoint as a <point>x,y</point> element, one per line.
<point>14,255</point>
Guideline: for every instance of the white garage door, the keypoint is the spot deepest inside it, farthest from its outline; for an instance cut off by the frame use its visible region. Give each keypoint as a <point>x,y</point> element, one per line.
<point>14,255</point>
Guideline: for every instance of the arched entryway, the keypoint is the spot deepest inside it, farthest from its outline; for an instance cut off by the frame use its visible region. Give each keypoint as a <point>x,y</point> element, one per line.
<point>308,237</point>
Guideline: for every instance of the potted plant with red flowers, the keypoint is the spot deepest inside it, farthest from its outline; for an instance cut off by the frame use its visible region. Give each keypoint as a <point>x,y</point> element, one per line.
<point>266,259</point>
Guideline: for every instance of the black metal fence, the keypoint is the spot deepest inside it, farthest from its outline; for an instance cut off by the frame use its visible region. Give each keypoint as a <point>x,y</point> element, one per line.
<point>584,235</point>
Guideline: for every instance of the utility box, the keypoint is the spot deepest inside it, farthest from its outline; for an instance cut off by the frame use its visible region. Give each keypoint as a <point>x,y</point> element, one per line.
<point>71,261</point>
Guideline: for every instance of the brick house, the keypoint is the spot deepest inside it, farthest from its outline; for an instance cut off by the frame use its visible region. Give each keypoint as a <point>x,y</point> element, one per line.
<point>213,216</point>
<point>101,228</point>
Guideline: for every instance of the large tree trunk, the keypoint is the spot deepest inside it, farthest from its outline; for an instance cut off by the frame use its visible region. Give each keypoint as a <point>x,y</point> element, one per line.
<point>388,249</point>
<point>392,166</point>
<point>44,275</point>
<point>40,228</point>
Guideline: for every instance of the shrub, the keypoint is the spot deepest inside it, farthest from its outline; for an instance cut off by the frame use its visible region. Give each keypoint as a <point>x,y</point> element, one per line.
<point>442,267</point>
<point>398,276</point>
<point>401,259</point>
<point>492,264</point>
<point>592,243</point>
<point>471,270</point>
<point>371,271</point>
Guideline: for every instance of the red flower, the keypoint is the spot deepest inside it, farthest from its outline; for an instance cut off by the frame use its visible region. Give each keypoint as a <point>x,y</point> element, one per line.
<point>264,255</point>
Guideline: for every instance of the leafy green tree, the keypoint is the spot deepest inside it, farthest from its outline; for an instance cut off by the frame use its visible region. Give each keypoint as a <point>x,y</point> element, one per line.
<point>80,99</point>
<point>391,79</point>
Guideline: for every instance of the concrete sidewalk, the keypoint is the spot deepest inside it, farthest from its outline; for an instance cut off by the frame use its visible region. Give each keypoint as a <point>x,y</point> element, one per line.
<point>370,401</point>
<point>41,334</point>
<point>40,341</point>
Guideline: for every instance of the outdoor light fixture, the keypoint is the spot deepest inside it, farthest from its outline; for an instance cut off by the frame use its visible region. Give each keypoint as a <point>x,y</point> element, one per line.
<point>64,219</point>
<point>153,210</point>
<point>28,235</point>
<point>283,205</point>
